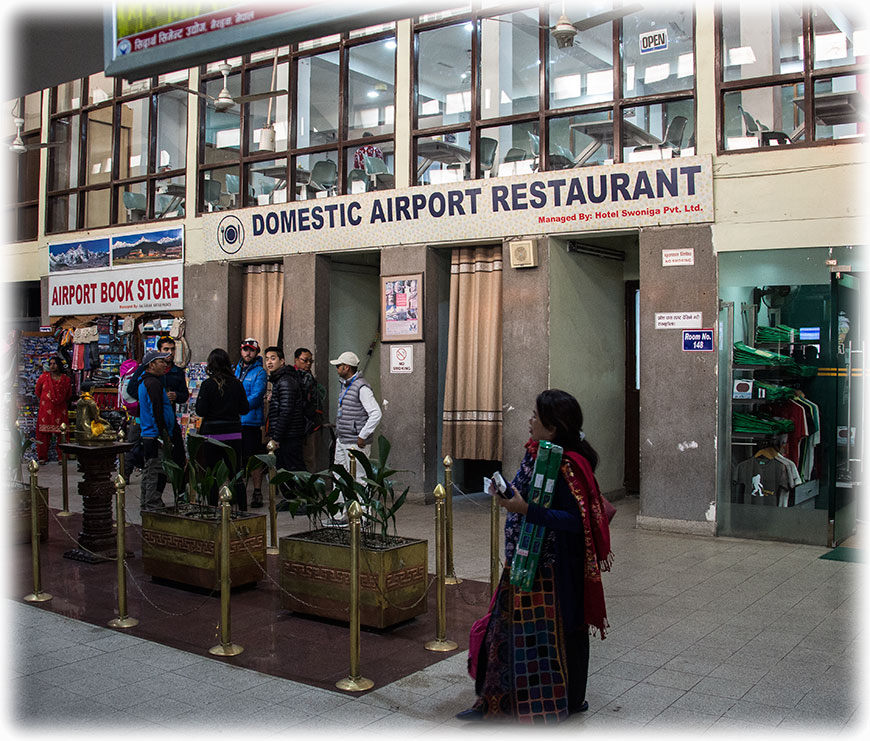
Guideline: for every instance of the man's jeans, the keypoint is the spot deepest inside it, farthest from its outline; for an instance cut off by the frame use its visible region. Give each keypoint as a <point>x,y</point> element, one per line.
<point>151,497</point>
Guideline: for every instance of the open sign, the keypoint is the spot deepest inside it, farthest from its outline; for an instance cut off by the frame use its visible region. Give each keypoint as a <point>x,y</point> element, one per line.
<point>654,41</point>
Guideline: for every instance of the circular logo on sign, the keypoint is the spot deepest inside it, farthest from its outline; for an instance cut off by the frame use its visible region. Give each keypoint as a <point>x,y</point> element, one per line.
<point>124,46</point>
<point>230,234</point>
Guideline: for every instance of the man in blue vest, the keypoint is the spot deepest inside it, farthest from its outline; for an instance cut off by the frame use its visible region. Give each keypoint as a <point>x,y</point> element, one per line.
<point>358,415</point>
<point>252,374</point>
<point>158,424</point>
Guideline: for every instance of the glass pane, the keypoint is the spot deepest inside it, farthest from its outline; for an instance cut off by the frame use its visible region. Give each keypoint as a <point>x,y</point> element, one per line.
<point>316,175</point>
<point>317,100</point>
<point>170,199</point>
<point>28,171</point>
<point>583,72</point>
<point>444,76</point>
<point>172,130</point>
<point>510,63</point>
<point>370,167</point>
<point>764,117</point>
<point>442,14</point>
<point>517,150</point>
<point>259,56</point>
<point>137,86</point>
<point>28,221</point>
<point>657,49</point>
<point>132,203</point>
<point>97,208</point>
<point>216,186</point>
<point>839,107</point>
<point>99,147</point>
<point>216,66</point>
<point>659,131</point>
<point>61,213</point>
<point>268,182</point>
<point>32,112</point>
<point>371,88</point>
<point>369,30</point>
<point>100,88</point>
<point>323,41</point>
<point>839,34</point>
<point>582,139</point>
<point>63,161</point>
<point>271,111</point>
<point>180,77</point>
<point>223,128</point>
<point>443,159</point>
<point>133,155</point>
<point>67,96</point>
<point>761,39</point>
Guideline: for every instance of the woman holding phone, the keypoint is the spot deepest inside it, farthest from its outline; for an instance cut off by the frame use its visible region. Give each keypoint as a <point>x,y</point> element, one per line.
<point>534,660</point>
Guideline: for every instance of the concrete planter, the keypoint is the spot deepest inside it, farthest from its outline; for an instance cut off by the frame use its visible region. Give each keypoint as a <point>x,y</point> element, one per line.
<point>21,513</point>
<point>315,578</point>
<point>186,548</point>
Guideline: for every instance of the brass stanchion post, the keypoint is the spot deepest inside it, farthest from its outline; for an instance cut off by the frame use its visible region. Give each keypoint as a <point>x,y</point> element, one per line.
<point>440,643</point>
<point>37,595</point>
<point>451,577</point>
<point>64,433</point>
<point>493,546</point>
<point>122,471</point>
<point>123,620</point>
<point>272,446</point>
<point>354,682</point>
<point>226,647</point>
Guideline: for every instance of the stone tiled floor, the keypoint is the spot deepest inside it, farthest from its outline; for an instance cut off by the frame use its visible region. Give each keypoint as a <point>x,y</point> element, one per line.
<point>708,636</point>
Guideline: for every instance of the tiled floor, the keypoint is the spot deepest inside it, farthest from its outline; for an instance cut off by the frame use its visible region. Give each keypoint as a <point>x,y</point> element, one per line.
<point>708,635</point>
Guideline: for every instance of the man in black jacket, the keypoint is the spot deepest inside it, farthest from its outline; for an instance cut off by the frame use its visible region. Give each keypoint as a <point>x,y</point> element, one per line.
<point>286,421</point>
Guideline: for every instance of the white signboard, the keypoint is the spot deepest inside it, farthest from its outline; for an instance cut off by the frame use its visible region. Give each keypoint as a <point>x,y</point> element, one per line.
<point>679,320</point>
<point>654,41</point>
<point>401,358</point>
<point>678,257</point>
<point>622,196</point>
<point>117,290</point>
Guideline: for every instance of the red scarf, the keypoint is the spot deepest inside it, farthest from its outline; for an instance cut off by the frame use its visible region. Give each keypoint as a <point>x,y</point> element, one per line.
<point>596,532</point>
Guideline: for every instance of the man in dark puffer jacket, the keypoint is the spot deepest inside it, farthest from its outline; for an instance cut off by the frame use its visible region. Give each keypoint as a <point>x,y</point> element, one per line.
<point>286,412</point>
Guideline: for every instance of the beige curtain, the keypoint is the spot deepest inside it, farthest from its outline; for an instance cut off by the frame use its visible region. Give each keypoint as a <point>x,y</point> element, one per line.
<point>472,421</point>
<point>262,299</point>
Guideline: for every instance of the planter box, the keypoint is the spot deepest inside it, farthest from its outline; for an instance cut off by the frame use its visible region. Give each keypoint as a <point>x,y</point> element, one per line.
<point>315,579</point>
<point>184,548</point>
<point>21,513</point>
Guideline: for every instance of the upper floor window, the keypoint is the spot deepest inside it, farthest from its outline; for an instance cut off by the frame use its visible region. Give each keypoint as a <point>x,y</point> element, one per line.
<point>120,153</point>
<point>500,93</point>
<point>23,123</point>
<point>774,91</point>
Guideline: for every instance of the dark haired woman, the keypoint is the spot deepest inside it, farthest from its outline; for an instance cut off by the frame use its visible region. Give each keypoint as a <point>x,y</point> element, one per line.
<point>53,390</point>
<point>534,660</point>
<point>220,404</point>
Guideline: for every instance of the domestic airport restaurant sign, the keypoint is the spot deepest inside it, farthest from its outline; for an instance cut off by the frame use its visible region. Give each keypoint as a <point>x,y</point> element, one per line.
<point>641,194</point>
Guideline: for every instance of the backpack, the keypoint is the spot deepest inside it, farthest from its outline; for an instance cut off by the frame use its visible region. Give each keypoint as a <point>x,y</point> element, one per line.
<point>125,398</point>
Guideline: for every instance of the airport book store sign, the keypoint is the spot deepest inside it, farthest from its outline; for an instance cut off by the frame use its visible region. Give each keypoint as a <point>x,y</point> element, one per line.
<point>642,194</point>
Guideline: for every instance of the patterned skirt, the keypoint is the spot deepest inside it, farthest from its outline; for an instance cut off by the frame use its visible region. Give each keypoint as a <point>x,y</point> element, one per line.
<point>522,672</point>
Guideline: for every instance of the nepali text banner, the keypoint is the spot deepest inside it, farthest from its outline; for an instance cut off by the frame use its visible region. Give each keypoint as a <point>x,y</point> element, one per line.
<point>652,193</point>
<point>117,291</point>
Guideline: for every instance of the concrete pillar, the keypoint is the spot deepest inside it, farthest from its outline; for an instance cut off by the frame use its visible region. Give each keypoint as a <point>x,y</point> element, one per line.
<point>525,348</point>
<point>678,390</point>
<point>411,399</point>
<point>212,308</point>
<point>306,310</point>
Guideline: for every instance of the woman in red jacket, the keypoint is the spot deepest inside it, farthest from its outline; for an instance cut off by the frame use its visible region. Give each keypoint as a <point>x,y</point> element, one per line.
<point>53,391</point>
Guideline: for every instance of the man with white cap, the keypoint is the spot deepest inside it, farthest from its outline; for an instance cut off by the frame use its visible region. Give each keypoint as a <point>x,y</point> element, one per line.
<point>358,413</point>
<point>157,422</point>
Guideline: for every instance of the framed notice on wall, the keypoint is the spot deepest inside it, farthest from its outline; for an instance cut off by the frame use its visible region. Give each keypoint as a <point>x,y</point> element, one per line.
<point>402,308</point>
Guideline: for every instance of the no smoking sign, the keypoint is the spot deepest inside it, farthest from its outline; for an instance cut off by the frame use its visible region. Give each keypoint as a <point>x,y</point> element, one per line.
<point>401,358</point>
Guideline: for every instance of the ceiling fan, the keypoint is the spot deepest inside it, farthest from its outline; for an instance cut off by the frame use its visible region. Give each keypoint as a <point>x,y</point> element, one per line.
<point>17,145</point>
<point>564,31</point>
<point>224,101</point>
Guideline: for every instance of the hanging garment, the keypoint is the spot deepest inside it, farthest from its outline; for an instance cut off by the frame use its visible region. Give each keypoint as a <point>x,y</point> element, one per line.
<point>760,480</point>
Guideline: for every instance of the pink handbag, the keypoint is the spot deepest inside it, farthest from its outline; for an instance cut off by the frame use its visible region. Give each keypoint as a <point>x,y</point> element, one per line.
<point>475,638</point>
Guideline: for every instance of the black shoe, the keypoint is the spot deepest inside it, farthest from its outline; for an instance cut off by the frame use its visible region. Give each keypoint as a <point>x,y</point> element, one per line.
<point>257,499</point>
<point>582,709</point>
<point>472,714</point>
<point>282,506</point>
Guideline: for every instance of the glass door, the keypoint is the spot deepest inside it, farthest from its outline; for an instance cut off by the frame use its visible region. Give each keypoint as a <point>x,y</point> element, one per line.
<point>849,364</point>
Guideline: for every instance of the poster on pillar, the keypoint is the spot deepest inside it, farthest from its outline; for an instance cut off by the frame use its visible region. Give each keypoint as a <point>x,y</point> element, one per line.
<point>402,307</point>
<point>117,291</point>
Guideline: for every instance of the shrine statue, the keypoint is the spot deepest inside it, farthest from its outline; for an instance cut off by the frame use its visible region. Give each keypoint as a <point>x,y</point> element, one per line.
<point>90,426</point>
